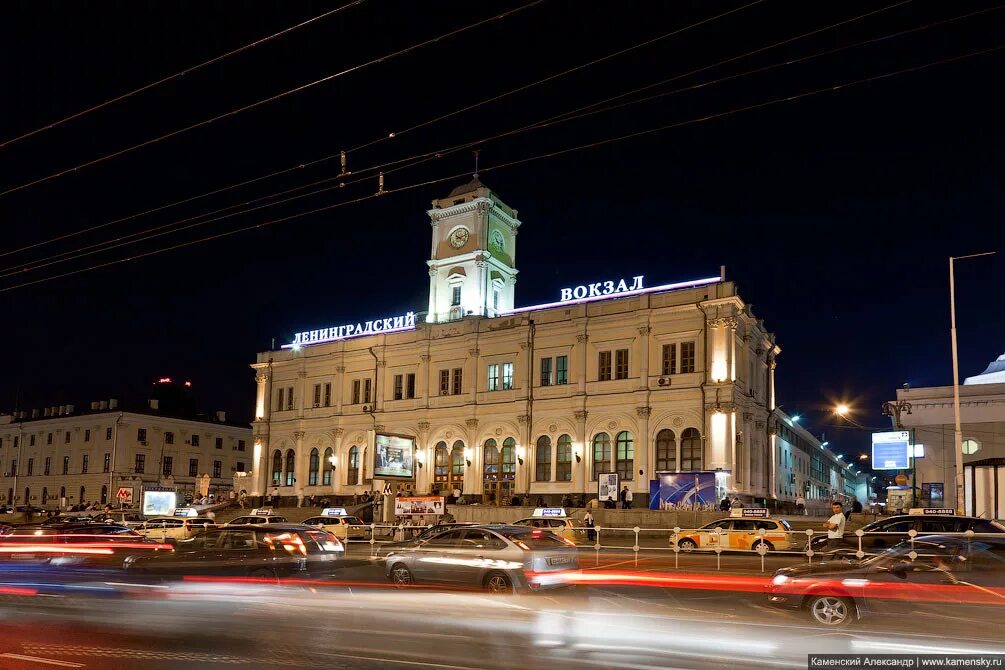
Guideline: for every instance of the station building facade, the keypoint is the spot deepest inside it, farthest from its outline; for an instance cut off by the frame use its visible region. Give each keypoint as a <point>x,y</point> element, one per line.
<point>615,376</point>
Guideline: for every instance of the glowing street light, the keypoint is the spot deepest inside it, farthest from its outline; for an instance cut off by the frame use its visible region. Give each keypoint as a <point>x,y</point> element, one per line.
<point>795,419</point>
<point>842,410</point>
<point>863,457</point>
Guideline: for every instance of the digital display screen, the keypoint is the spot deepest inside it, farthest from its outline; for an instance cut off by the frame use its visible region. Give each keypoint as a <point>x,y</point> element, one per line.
<point>892,450</point>
<point>159,503</point>
<point>394,457</point>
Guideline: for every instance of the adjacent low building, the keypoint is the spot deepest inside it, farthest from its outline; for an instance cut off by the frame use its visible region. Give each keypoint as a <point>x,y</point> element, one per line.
<point>62,456</point>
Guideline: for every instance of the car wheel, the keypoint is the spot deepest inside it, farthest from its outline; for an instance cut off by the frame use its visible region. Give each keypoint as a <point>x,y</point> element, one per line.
<point>401,576</point>
<point>831,611</point>
<point>767,545</point>
<point>687,545</point>
<point>498,582</point>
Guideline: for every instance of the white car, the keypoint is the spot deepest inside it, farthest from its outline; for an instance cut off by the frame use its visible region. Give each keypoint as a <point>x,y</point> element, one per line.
<point>171,528</point>
<point>254,519</point>
<point>342,527</point>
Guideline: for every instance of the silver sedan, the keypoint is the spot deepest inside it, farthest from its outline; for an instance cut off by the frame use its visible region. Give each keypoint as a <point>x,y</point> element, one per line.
<point>497,558</point>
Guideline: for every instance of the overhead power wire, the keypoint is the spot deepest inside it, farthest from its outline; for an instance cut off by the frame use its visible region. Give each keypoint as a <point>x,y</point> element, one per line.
<point>420,158</point>
<point>329,157</point>
<point>178,75</point>
<point>551,154</point>
<point>272,98</point>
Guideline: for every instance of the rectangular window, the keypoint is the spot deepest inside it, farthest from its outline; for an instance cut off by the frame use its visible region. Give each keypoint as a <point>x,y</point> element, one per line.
<point>444,382</point>
<point>31,441</point>
<point>87,435</point>
<point>399,387</point>
<point>604,366</point>
<point>289,397</point>
<point>193,467</point>
<point>495,299</point>
<point>669,359</point>
<point>328,394</point>
<point>686,357</point>
<point>66,465</point>
<point>561,369</point>
<point>317,395</point>
<point>13,468</point>
<point>141,434</point>
<point>48,438</point>
<point>621,364</point>
<point>66,437</point>
<point>279,399</point>
<point>48,464</point>
<point>366,390</point>
<point>455,296</point>
<point>31,466</point>
<point>106,465</point>
<point>458,378</point>
<point>194,440</point>
<point>507,376</point>
<point>169,437</point>
<point>240,445</point>
<point>493,384</point>
<point>355,391</point>
<point>240,466</point>
<point>219,443</point>
<point>108,433</point>
<point>168,465</point>
<point>545,372</point>
<point>410,385</point>
<point>217,469</point>
<point>83,465</point>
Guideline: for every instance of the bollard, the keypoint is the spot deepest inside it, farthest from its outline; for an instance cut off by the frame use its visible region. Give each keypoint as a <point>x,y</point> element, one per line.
<point>676,548</point>
<point>636,547</point>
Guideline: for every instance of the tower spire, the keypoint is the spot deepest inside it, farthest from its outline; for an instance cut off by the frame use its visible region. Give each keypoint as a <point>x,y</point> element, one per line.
<point>476,152</point>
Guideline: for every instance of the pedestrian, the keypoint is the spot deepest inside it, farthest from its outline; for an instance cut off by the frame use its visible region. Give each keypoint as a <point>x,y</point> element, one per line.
<point>628,498</point>
<point>589,524</point>
<point>835,526</point>
<point>735,503</point>
<point>800,505</point>
<point>623,497</point>
<point>244,495</point>
<point>724,504</point>
<point>275,497</point>
<point>540,502</point>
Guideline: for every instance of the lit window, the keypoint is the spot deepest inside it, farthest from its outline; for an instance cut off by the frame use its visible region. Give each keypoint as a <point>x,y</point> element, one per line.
<point>970,446</point>
<point>561,369</point>
<point>507,376</point>
<point>493,384</point>
<point>455,296</point>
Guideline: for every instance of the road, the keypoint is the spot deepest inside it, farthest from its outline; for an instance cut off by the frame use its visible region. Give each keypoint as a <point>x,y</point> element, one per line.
<point>358,622</point>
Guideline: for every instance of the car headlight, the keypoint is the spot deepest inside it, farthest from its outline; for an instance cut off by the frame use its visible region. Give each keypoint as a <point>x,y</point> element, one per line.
<point>778,580</point>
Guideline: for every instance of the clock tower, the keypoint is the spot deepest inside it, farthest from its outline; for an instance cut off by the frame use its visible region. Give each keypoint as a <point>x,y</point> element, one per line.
<point>472,266</point>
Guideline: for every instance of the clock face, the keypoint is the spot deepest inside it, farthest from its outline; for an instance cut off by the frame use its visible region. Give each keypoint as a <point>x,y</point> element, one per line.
<point>497,240</point>
<point>459,238</point>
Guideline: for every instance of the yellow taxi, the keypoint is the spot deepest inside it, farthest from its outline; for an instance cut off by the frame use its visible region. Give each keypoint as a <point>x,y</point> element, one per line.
<point>184,524</point>
<point>740,532</point>
<point>341,524</point>
<point>557,521</point>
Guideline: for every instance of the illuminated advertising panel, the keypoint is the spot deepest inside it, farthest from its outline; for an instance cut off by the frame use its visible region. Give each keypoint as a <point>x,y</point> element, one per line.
<point>891,450</point>
<point>159,502</point>
<point>393,456</point>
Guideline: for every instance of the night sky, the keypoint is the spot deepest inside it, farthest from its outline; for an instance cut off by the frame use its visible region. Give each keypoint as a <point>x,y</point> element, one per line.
<point>835,213</point>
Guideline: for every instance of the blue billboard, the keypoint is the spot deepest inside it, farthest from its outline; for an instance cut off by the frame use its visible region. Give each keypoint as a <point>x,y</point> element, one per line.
<point>891,450</point>
<point>682,490</point>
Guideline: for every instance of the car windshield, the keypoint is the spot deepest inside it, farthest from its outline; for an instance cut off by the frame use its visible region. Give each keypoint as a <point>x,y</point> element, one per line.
<point>535,538</point>
<point>900,553</point>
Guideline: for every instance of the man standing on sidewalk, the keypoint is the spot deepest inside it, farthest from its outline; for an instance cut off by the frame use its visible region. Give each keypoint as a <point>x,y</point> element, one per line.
<point>835,526</point>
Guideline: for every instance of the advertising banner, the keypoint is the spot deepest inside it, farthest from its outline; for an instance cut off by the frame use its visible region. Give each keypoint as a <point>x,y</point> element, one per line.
<point>891,450</point>
<point>159,502</point>
<point>607,486</point>
<point>682,490</point>
<point>393,456</point>
<point>418,506</point>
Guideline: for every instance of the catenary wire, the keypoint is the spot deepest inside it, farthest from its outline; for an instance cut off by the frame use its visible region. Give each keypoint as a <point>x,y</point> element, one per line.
<point>272,98</point>
<point>329,157</point>
<point>414,160</point>
<point>182,73</point>
<point>551,154</point>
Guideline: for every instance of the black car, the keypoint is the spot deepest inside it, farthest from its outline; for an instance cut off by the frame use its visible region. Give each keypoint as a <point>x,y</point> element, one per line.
<point>938,575</point>
<point>885,533</point>
<point>102,543</point>
<point>261,550</point>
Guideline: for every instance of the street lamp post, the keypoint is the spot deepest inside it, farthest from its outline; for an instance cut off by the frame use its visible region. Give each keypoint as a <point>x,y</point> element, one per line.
<point>895,410</point>
<point>957,431</point>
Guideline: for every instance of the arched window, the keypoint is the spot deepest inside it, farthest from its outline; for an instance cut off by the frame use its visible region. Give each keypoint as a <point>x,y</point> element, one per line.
<point>326,477</point>
<point>291,464</point>
<point>601,454</point>
<point>352,473</point>
<point>104,494</point>
<point>441,463</point>
<point>45,494</point>
<point>690,450</point>
<point>312,469</point>
<point>457,465</point>
<point>491,460</point>
<point>277,467</point>
<point>624,463</point>
<point>563,467</point>
<point>666,451</point>
<point>62,494</point>
<point>509,459</point>
<point>542,459</point>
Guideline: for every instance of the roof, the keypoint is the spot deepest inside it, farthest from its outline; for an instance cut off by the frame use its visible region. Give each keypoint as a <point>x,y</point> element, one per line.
<point>994,374</point>
<point>472,185</point>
